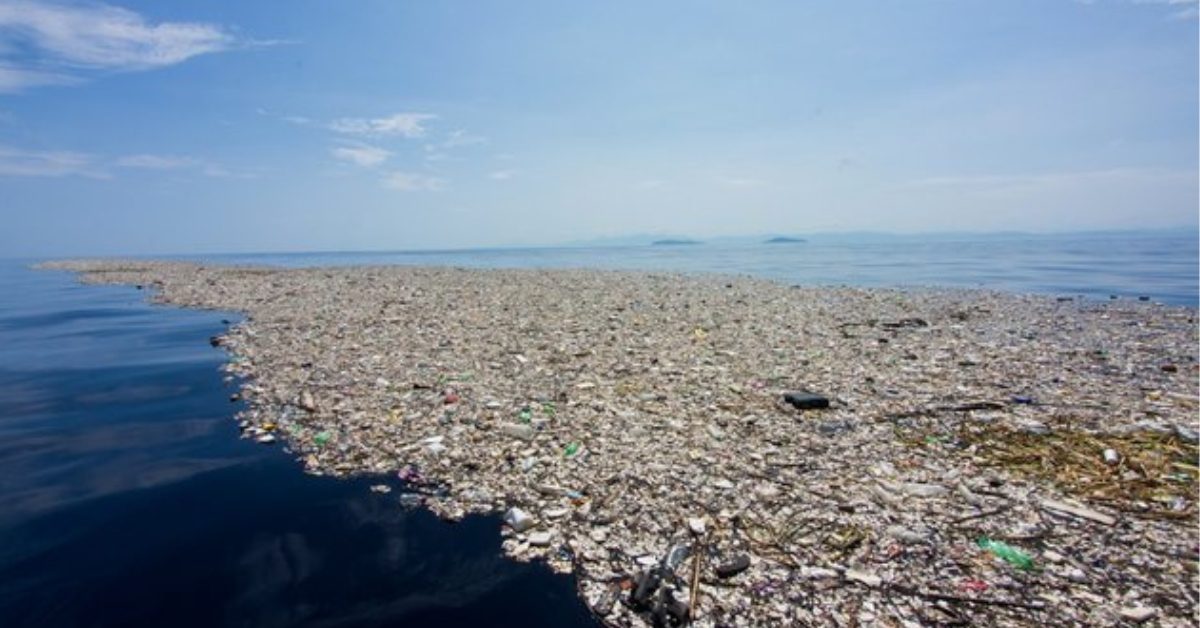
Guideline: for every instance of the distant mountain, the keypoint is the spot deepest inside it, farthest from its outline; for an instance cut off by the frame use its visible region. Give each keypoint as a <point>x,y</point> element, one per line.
<point>633,239</point>
<point>816,238</point>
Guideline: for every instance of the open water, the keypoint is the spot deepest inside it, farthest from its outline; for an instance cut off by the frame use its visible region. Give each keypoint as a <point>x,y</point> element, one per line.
<point>127,498</point>
<point>1162,266</point>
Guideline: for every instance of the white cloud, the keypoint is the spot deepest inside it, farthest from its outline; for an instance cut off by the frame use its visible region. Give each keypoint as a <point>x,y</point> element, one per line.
<point>60,43</point>
<point>15,78</point>
<point>502,175</point>
<point>1005,181</point>
<point>1180,9</point>
<point>409,125</point>
<point>741,182</point>
<point>156,162</point>
<point>15,162</point>
<point>19,162</point>
<point>146,161</point>
<point>440,151</point>
<point>460,137</point>
<point>413,182</point>
<point>361,154</point>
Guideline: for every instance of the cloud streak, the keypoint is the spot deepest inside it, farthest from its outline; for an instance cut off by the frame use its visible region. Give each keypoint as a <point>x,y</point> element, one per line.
<point>14,78</point>
<point>146,161</point>
<point>15,162</point>
<point>993,182</point>
<point>19,162</point>
<point>54,44</point>
<point>156,162</point>
<point>1179,9</point>
<point>460,137</point>
<point>413,182</point>
<point>363,155</point>
<point>740,182</point>
<point>404,124</point>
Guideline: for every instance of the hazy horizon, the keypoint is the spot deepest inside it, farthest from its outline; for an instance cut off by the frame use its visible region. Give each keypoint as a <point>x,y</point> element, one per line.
<point>144,128</point>
<point>649,239</point>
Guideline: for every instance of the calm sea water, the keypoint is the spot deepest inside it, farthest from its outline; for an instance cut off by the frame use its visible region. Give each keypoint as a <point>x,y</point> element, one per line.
<point>128,499</point>
<point>1161,266</point>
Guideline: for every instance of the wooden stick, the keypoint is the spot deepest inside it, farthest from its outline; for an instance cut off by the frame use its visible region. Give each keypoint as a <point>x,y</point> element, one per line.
<point>980,515</point>
<point>968,600</point>
<point>699,555</point>
<point>1078,511</point>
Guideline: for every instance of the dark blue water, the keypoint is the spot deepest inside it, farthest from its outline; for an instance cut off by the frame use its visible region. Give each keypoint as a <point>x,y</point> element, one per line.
<point>1163,266</point>
<point>127,498</point>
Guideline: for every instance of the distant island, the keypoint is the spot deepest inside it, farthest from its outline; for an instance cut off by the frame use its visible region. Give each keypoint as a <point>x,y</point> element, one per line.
<point>672,242</point>
<point>784,240</point>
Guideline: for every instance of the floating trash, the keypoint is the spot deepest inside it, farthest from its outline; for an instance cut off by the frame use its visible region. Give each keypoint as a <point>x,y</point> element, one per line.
<point>615,416</point>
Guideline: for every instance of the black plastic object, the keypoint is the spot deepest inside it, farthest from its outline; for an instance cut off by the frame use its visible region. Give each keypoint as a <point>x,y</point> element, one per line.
<point>806,400</point>
<point>645,585</point>
<point>733,567</point>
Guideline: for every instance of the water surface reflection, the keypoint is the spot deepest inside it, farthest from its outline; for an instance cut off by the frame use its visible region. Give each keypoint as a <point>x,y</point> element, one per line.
<point>130,501</point>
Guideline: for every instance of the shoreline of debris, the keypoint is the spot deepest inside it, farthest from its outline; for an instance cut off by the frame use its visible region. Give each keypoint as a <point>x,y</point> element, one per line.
<point>966,455</point>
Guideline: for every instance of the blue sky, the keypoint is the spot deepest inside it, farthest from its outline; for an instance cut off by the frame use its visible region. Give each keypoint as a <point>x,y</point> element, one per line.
<point>200,126</point>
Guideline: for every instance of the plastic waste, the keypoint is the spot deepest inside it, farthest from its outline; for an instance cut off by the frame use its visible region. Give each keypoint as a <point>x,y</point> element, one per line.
<point>675,557</point>
<point>410,473</point>
<point>518,519</point>
<point>571,450</point>
<point>733,566</point>
<point>518,430</point>
<point>974,585</point>
<point>1010,554</point>
<point>646,584</point>
<point>321,438</point>
<point>805,400</point>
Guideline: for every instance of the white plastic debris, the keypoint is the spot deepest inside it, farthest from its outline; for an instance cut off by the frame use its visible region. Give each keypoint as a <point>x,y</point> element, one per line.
<point>881,486</point>
<point>518,520</point>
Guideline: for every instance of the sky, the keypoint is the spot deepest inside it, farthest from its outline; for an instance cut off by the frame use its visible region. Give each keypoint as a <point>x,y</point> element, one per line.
<point>197,126</point>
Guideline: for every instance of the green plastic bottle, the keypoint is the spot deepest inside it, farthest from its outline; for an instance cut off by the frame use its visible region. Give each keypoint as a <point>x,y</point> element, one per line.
<point>1010,554</point>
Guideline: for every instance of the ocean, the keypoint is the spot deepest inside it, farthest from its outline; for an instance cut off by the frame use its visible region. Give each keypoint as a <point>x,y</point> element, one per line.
<point>129,499</point>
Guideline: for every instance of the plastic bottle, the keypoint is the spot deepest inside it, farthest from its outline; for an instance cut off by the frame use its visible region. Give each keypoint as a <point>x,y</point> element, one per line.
<point>1010,554</point>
